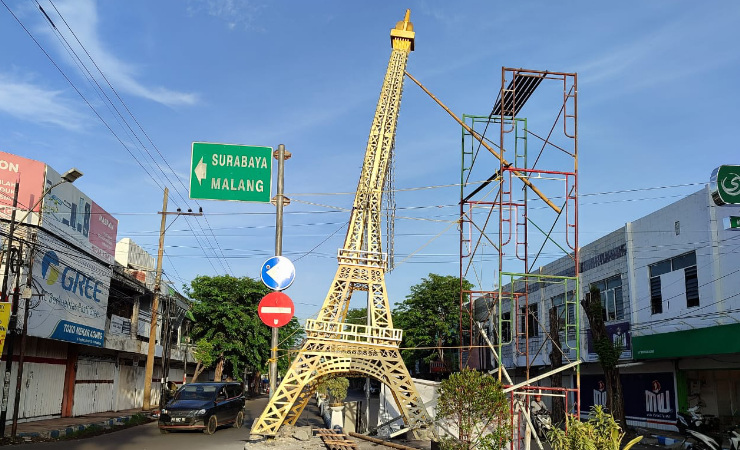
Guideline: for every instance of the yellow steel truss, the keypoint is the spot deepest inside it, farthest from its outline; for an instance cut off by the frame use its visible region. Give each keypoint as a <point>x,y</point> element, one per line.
<point>334,348</point>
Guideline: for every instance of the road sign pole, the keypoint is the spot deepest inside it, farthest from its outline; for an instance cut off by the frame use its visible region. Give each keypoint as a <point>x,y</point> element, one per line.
<point>280,156</point>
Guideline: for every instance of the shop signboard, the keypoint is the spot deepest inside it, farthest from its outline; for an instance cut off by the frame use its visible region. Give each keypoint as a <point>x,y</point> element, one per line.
<point>619,333</point>
<point>29,174</point>
<point>4,319</point>
<point>724,185</point>
<point>649,397</point>
<point>74,294</point>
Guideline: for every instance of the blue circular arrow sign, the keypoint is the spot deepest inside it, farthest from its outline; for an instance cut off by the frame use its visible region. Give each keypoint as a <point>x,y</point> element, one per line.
<point>278,273</point>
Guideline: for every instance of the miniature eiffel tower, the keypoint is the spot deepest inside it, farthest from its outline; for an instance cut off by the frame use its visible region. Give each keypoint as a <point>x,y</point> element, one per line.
<point>333,348</point>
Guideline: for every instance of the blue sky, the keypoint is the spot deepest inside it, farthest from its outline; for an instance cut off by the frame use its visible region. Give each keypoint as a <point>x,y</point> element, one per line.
<point>657,105</point>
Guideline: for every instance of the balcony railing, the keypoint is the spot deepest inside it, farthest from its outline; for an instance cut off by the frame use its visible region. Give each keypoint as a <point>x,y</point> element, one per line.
<point>354,334</point>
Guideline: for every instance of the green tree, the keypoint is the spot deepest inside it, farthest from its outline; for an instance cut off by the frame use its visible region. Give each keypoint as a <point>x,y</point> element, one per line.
<point>225,312</point>
<point>607,351</point>
<point>430,318</point>
<point>203,353</point>
<point>476,405</point>
<point>357,316</point>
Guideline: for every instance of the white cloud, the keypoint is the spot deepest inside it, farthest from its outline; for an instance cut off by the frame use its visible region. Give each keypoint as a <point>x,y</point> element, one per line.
<point>32,102</point>
<point>82,17</point>
<point>660,55</point>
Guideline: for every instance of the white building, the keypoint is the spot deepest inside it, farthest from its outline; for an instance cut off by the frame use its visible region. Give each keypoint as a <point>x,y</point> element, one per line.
<point>670,287</point>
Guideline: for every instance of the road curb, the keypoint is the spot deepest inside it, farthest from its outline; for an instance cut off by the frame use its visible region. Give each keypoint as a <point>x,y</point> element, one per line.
<point>63,432</point>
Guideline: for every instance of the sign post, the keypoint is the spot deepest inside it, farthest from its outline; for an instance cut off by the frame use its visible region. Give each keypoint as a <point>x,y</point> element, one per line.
<point>281,155</point>
<point>231,172</point>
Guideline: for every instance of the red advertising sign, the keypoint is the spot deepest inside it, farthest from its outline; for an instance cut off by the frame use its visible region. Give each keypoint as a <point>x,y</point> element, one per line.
<point>29,174</point>
<point>103,230</point>
<point>275,309</point>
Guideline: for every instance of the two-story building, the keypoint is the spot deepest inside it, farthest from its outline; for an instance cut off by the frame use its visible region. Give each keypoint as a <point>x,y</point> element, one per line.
<point>83,302</point>
<point>670,288</point>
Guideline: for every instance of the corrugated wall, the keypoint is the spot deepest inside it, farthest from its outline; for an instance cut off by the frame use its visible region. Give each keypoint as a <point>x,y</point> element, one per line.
<point>43,378</point>
<point>130,387</point>
<point>94,386</point>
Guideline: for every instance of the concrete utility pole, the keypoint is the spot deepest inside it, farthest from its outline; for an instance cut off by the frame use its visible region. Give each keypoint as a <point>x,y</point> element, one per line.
<point>10,332</point>
<point>281,155</point>
<point>155,305</point>
<point>26,295</point>
<point>147,404</point>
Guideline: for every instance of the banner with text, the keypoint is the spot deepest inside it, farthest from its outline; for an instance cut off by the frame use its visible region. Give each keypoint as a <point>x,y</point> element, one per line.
<point>73,216</point>
<point>649,397</point>
<point>4,319</point>
<point>30,176</point>
<point>74,294</point>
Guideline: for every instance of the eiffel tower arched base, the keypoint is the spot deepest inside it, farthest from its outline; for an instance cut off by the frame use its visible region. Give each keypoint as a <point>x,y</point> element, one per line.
<point>325,358</point>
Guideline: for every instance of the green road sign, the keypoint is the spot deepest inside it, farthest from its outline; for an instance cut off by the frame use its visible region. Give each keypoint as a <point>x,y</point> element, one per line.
<point>732,222</point>
<point>725,185</point>
<point>231,172</point>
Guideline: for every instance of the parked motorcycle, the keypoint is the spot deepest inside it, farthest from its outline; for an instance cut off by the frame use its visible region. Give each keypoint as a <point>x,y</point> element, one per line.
<point>542,422</point>
<point>733,435</point>
<point>693,419</point>
<point>700,441</point>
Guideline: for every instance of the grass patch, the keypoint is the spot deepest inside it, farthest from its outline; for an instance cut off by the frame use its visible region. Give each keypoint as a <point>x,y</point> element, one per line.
<point>92,430</point>
<point>137,419</point>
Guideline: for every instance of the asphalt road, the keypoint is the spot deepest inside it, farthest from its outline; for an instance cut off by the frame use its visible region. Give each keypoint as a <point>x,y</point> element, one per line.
<point>148,437</point>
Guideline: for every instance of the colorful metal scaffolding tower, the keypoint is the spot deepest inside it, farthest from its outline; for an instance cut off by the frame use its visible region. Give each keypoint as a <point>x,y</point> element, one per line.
<point>518,212</point>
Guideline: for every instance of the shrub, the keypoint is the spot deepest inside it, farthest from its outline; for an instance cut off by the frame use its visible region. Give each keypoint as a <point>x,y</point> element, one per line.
<point>337,388</point>
<point>475,403</point>
<point>600,432</point>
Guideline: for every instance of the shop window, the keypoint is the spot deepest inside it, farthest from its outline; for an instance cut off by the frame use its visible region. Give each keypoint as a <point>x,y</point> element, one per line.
<point>687,262</point>
<point>611,298</point>
<point>559,303</point>
<point>531,326</point>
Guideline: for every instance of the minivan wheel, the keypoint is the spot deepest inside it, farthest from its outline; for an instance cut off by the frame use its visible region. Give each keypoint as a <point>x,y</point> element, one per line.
<point>212,425</point>
<point>239,420</point>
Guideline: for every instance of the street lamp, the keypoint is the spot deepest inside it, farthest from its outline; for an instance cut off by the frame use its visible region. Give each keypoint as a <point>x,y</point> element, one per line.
<point>68,177</point>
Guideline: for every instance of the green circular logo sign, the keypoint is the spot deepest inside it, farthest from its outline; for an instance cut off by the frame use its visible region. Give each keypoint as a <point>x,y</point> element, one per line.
<point>725,185</point>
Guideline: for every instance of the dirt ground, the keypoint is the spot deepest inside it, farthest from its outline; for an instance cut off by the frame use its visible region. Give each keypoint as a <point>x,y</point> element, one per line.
<point>287,441</point>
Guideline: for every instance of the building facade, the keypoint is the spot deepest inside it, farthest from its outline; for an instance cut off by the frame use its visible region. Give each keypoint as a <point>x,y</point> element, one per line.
<point>670,290</point>
<point>83,303</point>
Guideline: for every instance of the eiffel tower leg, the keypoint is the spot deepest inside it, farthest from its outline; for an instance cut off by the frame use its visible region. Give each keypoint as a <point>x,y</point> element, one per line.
<point>404,392</point>
<point>284,397</point>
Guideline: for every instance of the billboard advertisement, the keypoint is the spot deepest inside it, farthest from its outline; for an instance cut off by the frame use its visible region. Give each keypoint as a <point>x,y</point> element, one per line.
<point>70,214</point>
<point>74,293</point>
<point>29,174</point>
<point>649,397</point>
<point>620,334</point>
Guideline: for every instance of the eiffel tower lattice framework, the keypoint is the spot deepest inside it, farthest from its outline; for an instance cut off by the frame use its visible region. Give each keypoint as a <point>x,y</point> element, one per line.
<point>333,348</point>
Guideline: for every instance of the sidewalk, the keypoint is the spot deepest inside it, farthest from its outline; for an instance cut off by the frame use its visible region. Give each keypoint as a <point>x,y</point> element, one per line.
<point>59,427</point>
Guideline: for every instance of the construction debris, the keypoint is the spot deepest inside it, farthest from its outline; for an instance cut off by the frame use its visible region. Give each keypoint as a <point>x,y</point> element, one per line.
<point>336,440</point>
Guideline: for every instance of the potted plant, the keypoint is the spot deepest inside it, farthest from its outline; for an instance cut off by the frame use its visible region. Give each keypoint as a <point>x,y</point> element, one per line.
<point>337,388</point>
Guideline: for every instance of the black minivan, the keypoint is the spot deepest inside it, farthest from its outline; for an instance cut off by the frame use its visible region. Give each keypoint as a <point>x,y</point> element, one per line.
<point>204,406</point>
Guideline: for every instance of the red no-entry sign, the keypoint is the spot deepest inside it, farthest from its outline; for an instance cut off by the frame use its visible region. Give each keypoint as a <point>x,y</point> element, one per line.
<point>275,309</point>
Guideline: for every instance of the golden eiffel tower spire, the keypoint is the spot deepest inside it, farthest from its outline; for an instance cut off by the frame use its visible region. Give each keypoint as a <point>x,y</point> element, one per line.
<point>332,347</point>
